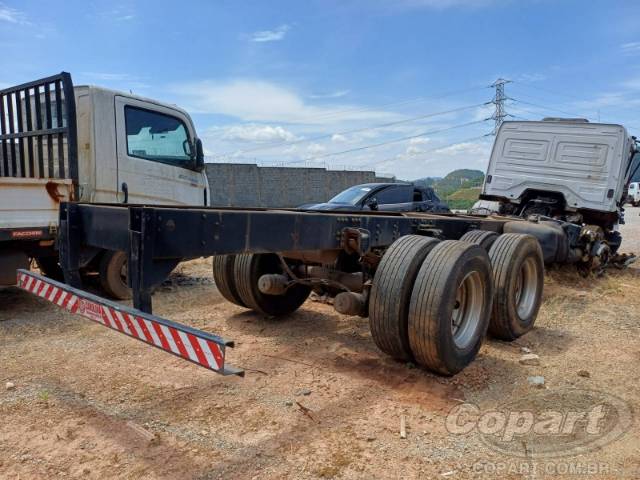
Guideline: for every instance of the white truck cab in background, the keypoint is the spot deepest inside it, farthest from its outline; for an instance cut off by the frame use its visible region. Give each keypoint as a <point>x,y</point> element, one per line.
<point>633,195</point>
<point>561,167</point>
<point>88,144</point>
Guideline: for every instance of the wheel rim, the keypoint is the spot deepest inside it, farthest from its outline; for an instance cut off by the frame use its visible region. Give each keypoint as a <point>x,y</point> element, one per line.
<point>467,310</point>
<point>526,288</point>
<point>123,271</point>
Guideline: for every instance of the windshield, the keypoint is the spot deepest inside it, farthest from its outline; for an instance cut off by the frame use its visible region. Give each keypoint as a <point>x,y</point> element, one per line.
<point>351,195</point>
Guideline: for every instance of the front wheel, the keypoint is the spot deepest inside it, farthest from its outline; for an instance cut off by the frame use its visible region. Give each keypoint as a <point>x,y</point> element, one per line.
<point>113,275</point>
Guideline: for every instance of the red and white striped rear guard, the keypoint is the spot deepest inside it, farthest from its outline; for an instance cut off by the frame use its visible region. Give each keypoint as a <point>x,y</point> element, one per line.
<point>183,341</point>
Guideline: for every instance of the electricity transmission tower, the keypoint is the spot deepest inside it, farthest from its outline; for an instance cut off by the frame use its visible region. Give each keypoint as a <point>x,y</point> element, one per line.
<point>498,100</point>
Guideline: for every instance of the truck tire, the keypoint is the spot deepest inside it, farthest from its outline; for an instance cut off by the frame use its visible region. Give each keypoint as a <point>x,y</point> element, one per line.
<point>518,275</point>
<point>450,306</point>
<point>248,268</point>
<point>113,275</point>
<point>484,238</point>
<point>223,268</point>
<point>391,291</point>
<point>50,267</point>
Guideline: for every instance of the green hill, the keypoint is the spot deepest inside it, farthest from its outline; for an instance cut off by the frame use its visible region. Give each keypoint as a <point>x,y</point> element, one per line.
<point>460,188</point>
<point>464,198</point>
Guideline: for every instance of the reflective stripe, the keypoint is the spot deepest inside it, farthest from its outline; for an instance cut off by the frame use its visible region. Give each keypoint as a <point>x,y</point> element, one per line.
<point>207,353</point>
<point>54,290</point>
<point>154,335</point>
<point>125,327</point>
<point>136,325</point>
<point>61,298</point>
<point>188,346</point>
<point>72,301</point>
<point>170,341</point>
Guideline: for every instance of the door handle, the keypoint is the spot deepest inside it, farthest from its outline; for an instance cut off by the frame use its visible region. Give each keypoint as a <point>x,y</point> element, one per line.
<point>125,190</point>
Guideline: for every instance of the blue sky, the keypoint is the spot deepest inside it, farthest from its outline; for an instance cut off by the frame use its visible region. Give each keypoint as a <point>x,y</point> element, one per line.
<point>344,84</point>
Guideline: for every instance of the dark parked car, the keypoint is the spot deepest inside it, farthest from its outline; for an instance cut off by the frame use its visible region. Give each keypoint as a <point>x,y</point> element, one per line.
<point>390,197</point>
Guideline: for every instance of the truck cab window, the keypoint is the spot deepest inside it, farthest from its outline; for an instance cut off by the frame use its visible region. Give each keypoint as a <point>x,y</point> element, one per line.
<point>157,137</point>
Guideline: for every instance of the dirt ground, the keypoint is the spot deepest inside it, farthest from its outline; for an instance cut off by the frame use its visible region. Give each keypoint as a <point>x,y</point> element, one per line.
<point>318,401</point>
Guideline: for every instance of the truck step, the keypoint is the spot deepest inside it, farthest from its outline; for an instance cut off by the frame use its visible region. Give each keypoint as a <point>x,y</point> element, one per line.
<point>185,342</point>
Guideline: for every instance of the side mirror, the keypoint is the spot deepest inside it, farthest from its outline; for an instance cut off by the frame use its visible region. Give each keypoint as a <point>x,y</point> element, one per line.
<point>199,163</point>
<point>372,203</point>
<point>188,149</point>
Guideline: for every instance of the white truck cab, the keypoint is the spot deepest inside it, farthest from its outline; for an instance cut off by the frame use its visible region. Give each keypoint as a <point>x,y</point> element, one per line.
<point>135,150</point>
<point>561,167</point>
<point>60,142</point>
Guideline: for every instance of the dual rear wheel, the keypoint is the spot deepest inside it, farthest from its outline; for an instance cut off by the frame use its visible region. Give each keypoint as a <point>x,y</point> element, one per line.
<point>445,296</point>
<point>433,302</point>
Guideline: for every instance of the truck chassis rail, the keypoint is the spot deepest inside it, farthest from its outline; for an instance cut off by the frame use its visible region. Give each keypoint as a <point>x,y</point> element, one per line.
<point>157,238</point>
<point>196,346</point>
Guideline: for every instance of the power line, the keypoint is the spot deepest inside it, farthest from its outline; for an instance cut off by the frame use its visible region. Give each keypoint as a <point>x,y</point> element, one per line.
<point>518,117</point>
<point>563,94</point>
<point>396,140</point>
<point>459,142</point>
<point>521,109</point>
<point>348,132</point>
<point>566,113</point>
<point>544,107</point>
<point>338,113</point>
<point>396,103</point>
<point>552,92</point>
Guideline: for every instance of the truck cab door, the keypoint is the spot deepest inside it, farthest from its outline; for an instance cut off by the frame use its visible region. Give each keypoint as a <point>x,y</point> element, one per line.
<point>155,149</point>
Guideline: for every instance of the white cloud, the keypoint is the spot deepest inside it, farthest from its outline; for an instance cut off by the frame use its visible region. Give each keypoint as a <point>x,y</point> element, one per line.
<point>630,48</point>
<point>119,13</point>
<point>336,94</point>
<point>482,112</point>
<point>338,138</point>
<point>465,148</point>
<point>415,144</point>
<point>11,15</point>
<point>257,134</point>
<point>274,35</point>
<point>260,101</point>
<point>438,162</point>
<point>315,149</point>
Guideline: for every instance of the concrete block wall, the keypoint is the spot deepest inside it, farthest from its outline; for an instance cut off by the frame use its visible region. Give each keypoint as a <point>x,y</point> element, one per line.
<point>247,185</point>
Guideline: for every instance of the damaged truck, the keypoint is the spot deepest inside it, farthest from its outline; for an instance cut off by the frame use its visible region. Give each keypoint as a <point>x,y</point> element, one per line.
<point>431,285</point>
